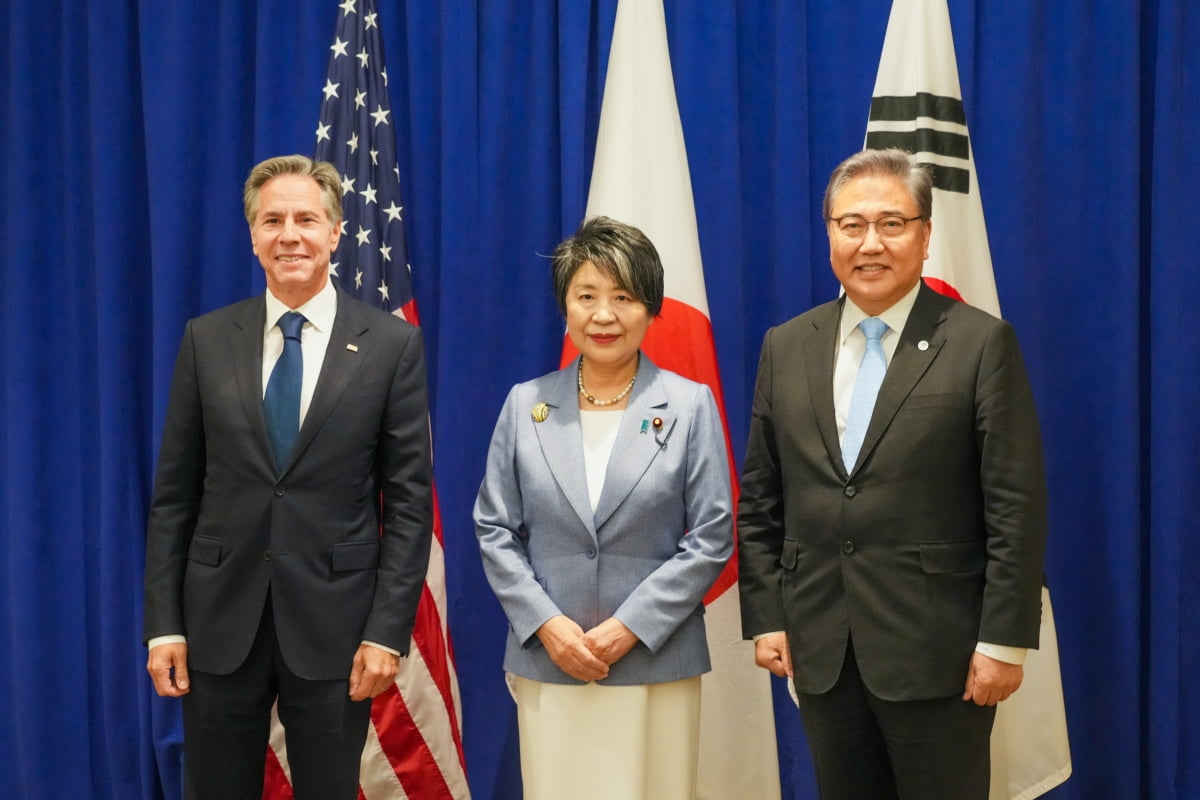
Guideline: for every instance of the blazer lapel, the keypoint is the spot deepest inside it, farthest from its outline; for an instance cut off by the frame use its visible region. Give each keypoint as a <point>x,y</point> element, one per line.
<point>638,440</point>
<point>337,372</point>
<point>919,345</point>
<point>562,444</point>
<point>819,350</point>
<point>247,356</point>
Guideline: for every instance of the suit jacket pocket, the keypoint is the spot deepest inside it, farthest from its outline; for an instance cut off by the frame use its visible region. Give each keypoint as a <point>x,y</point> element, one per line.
<point>791,551</point>
<point>205,550</point>
<point>954,556</point>
<point>350,556</point>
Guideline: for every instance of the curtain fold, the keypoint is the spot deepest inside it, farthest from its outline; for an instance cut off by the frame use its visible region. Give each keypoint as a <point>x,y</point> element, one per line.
<point>127,130</point>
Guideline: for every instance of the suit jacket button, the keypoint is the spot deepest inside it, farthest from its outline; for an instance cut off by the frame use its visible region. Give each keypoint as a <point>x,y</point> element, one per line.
<point>849,491</point>
<point>280,491</point>
<point>848,547</point>
<point>590,552</point>
<point>267,554</point>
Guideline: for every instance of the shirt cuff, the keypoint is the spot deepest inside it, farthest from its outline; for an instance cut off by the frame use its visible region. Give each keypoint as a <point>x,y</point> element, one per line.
<point>174,638</point>
<point>384,648</point>
<point>1000,652</point>
<point>758,636</point>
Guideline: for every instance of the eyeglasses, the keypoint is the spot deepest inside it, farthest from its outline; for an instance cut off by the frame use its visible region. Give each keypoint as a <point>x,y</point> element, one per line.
<point>854,227</point>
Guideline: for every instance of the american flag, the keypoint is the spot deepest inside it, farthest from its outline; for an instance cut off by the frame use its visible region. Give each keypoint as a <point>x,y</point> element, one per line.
<point>414,744</point>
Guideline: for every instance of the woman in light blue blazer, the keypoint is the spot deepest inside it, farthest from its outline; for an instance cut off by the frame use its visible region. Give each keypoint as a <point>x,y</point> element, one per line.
<point>603,518</point>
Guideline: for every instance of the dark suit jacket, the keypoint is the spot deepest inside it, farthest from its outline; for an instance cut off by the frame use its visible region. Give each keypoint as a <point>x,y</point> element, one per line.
<point>935,539</point>
<point>224,525</point>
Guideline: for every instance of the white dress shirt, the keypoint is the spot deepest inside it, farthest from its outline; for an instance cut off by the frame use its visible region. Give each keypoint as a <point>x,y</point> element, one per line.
<point>599,435</point>
<point>319,313</point>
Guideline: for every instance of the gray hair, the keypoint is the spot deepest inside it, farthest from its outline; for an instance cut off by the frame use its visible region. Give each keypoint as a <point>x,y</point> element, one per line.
<point>620,251</point>
<point>324,173</point>
<point>894,162</point>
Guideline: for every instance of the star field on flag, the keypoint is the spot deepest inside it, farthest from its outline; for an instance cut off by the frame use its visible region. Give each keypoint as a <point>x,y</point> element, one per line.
<point>355,133</point>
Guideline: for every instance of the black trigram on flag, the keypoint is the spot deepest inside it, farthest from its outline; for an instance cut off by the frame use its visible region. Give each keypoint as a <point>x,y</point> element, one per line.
<point>926,125</point>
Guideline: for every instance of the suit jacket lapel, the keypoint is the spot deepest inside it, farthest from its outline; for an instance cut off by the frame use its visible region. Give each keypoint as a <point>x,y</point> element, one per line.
<point>337,372</point>
<point>638,441</point>
<point>562,444</point>
<point>919,344</point>
<point>819,350</point>
<point>247,356</point>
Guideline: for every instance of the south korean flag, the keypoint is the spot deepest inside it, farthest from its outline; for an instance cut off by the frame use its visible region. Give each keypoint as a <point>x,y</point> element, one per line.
<point>917,106</point>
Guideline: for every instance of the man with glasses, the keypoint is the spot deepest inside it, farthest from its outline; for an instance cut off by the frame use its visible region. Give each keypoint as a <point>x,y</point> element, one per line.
<point>892,519</point>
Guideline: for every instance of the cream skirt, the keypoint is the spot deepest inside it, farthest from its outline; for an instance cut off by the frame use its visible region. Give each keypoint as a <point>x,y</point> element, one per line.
<point>609,742</point>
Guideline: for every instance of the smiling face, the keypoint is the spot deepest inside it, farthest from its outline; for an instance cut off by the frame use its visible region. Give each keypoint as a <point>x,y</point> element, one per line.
<point>876,272</point>
<point>293,238</point>
<point>605,322</point>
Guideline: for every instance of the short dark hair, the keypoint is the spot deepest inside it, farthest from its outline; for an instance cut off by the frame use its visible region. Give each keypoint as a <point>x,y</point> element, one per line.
<point>620,251</point>
<point>892,161</point>
<point>324,173</point>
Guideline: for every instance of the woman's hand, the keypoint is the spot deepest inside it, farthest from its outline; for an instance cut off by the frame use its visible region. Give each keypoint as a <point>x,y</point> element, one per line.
<point>610,640</point>
<point>564,641</point>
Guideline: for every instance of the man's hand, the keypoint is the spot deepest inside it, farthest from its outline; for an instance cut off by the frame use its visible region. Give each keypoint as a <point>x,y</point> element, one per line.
<point>771,653</point>
<point>563,640</point>
<point>989,681</point>
<point>610,640</point>
<point>167,665</point>
<point>373,671</point>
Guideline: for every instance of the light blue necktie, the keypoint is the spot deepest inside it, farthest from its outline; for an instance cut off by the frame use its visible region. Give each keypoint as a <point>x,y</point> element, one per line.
<point>281,403</point>
<point>866,387</point>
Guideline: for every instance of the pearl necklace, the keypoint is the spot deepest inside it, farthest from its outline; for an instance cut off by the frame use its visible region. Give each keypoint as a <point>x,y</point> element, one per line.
<point>594,401</point>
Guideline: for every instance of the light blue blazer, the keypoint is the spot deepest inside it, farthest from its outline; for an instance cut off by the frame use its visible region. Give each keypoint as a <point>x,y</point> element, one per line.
<point>660,535</point>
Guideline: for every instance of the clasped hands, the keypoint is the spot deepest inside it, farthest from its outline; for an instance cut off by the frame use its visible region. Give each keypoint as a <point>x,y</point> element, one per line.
<point>585,655</point>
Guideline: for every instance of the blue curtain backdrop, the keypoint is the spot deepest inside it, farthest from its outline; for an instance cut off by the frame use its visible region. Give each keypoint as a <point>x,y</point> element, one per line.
<point>127,130</point>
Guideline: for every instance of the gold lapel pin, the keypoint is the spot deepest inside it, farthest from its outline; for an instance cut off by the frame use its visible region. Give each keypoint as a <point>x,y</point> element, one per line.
<point>541,412</point>
<point>657,423</point>
<point>353,348</point>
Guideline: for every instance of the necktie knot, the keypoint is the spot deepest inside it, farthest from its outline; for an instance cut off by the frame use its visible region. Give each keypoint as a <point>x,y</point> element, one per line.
<point>291,323</point>
<point>873,328</point>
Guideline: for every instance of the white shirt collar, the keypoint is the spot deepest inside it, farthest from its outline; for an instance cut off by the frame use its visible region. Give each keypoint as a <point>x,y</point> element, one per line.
<point>319,311</point>
<point>895,316</point>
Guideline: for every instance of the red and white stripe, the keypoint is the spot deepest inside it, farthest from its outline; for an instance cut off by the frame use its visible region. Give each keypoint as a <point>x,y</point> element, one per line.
<point>414,742</point>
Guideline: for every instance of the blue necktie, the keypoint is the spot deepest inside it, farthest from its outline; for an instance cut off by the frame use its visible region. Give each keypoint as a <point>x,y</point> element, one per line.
<point>866,386</point>
<point>281,403</point>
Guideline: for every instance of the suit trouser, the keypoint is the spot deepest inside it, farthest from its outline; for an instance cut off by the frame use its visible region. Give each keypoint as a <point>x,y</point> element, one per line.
<point>867,748</point>
<point>226,725</point>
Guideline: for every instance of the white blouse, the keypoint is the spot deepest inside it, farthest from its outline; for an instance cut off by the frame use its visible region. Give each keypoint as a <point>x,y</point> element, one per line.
<point>599,436</point>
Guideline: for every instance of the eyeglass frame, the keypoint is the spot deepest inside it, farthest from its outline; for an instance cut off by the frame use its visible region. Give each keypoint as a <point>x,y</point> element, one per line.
<point>872,223</point>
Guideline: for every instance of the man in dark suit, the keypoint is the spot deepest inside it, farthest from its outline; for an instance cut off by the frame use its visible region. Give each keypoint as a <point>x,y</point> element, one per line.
<point>892,518</point>
<point>289,531</point>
